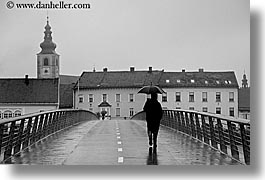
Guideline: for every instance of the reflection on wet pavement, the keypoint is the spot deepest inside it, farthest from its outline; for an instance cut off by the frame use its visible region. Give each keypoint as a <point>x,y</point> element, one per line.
<point>116,142</point>
<point>152,156</point>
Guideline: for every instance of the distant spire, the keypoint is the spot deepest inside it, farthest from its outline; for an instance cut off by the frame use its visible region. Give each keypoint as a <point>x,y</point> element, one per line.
<point>244,81</point>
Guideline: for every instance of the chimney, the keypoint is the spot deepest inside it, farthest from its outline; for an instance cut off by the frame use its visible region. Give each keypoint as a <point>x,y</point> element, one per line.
<point>150,69</point>
<point>105,69</point>
<point>183,70</point>
<point>132,69</point>
<point>27,79</point>
<point>201,70</point>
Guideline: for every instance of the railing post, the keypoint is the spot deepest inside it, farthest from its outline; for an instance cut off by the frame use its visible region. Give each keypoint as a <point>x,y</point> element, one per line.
<point>212,130</point>
<point>188,128</point>
<point>1,137</point>
<point>205,132</point>
<point>45,125</point>
<point>19,137</point>
<point>39,130</point>
<point>221,136</point>
<point>184,127</point>
<point>192,126</point>
<point>246,148</point>
<point>34,129</point>
<point>9,147</point>
<point>198,127</point>
<point>27,137</point>
<point>234,149</point>
<point>50,123</point>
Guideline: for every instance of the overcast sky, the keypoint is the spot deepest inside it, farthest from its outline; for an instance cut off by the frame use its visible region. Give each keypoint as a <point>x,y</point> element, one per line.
<point>117,34</point>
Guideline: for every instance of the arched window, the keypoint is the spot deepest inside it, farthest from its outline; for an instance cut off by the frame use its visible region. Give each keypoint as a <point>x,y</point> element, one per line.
<point>46,62</point>
<point>17,113</point>
<point>7,114</point>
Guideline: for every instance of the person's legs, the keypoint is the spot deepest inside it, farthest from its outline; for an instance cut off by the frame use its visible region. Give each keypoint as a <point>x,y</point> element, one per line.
<point>150,138</point>
<point>155,138</point>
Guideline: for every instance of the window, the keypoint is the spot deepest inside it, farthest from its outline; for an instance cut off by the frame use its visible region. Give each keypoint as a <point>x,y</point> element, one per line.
<point>118,98</point>
<point>90,98</point>
<point>206,82</point>
<point>7,114</point>
<point>218,110</point>
<point>131,98</point>
<point>17,113</point>
<point>164,97</point>
<point>104,97</point>
<point>46,62</point>
<point>191,108</point>
<point>178,107</point>
<point>192,81</point>
<point>131,112</point>
<point>178,80</point>
<point>191,96</point>
<point>204,109</point>
<point>231,96</point>
<point>118,112</point>
<point>80,98</point>
<point>231,111</point>
<point>167,81</point>
<point>218,96</point>
<point>204,96</point>
<point>178,97</point>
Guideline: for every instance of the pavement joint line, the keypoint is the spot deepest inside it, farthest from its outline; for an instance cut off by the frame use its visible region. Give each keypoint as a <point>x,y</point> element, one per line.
<point>119,149</point>
<point>120,159</point>
<point>119,142</point>
<point>118,133</point>
<point>118,137</point>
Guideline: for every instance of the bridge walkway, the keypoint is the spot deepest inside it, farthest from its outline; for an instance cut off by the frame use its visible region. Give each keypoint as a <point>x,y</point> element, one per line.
<point>118,142</point>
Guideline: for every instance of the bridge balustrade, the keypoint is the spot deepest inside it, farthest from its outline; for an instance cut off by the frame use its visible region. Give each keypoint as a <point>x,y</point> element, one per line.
<point>227,134</point>
<point>20,132</point>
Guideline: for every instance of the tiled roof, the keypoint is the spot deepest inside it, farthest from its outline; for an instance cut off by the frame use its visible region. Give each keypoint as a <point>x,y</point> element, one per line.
<point>244,99</point>
<point>137,79</point>
<point>68,79</point>
<point>35,91</point>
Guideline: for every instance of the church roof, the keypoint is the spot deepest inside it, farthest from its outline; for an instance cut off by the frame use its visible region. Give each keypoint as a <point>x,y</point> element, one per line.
<point>20,90</point>
<point>137,79</point>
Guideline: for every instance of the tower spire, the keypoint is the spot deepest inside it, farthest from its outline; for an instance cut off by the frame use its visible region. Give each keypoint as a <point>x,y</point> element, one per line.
<point>47,46</point>
<point>244,81</point>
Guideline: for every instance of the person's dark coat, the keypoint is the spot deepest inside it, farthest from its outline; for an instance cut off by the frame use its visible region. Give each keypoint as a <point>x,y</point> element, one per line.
<point>154,113</point>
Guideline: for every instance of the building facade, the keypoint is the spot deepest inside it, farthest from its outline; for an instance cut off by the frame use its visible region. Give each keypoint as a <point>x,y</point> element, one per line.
<point>214,92</point>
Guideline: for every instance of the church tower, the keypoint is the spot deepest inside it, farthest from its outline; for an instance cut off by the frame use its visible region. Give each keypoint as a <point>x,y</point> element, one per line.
<point>47,59</point>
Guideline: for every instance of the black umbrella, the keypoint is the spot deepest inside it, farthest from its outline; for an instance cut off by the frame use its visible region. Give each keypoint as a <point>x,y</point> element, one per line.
<point>151,90</point>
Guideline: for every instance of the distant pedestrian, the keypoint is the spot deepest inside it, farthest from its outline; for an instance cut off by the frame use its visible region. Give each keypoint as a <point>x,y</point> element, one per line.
<point>154,114</point>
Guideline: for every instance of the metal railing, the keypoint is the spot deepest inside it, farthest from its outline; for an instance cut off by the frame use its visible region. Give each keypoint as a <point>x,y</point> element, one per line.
<point>20,132</point>
<point>227,134</point>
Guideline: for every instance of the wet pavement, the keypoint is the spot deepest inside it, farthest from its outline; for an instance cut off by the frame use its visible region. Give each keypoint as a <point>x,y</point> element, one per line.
<point>119,142</point>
